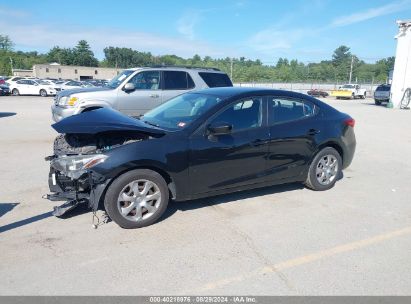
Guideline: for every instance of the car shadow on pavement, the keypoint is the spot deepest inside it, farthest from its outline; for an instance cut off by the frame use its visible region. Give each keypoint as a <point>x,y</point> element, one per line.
<point>7,114</point>
<point>173,206</point>
<point>24,222</point>
<point>6,207</point>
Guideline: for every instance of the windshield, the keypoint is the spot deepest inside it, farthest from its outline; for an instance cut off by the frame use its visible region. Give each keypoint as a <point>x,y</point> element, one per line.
<point>384,88</point>
<point>181,111</point>
<point>116,81</point>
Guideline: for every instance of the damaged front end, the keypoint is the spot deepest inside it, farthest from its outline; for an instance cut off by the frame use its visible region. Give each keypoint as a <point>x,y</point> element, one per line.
<point>82,145</point>
<point>72,180</point>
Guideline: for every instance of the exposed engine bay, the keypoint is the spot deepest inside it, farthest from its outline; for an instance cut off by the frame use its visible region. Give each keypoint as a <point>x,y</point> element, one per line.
<point>71,177</point>
<point>84,142</point>
<point>69,144</point>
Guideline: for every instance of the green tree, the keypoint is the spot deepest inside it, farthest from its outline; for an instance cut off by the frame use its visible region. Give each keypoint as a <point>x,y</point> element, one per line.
<point>5,43</point>
<point>63,56</point>
<point>83,55</point>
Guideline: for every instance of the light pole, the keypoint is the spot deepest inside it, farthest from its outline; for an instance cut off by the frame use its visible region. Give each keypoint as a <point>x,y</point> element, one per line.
<point>352,62</point>
<point>231,69</point>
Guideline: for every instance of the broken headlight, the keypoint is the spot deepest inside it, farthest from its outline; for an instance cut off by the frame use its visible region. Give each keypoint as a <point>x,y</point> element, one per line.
<point>76,165</point>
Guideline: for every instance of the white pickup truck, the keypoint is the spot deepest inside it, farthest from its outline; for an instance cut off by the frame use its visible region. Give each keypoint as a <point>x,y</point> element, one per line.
<point>350,91</point>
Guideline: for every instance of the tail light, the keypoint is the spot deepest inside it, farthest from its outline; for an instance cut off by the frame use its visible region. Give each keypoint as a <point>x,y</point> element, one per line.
<point>350,122</point>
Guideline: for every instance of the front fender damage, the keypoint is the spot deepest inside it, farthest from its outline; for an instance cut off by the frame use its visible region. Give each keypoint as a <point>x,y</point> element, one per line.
<point>88,189</point>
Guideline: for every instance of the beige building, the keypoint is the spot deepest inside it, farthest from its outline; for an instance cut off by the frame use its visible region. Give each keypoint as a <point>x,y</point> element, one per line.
<point>68,72</point>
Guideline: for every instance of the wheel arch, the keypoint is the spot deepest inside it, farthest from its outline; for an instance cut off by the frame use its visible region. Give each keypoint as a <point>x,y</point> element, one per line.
<point>168,179</point>
<point>332,144</point>
<point>91,108</point>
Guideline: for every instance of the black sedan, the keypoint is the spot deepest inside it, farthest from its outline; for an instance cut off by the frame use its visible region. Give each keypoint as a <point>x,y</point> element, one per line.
<point>4,90</point>
<point>198,144</point>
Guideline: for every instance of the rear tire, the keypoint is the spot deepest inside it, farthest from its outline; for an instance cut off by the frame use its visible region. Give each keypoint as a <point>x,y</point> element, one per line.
<point>131,186</point>
<point>325,170</point>
<point>15,92</point>
<point>43,93</point>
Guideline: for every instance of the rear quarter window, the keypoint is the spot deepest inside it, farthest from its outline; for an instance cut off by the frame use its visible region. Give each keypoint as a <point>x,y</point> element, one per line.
<point>176,80</point>
<point>214,80</point>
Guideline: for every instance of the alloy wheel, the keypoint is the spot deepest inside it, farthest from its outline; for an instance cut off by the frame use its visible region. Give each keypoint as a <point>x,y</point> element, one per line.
<point>327,169</point>
<point>139,200</point>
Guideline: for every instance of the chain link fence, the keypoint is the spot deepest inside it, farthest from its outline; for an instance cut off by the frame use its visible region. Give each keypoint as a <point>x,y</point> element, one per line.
<point>304,87</point>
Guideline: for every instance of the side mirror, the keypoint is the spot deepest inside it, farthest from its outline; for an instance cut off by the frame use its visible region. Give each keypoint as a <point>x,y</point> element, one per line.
<point>220,128</point>
<point>129,87</point>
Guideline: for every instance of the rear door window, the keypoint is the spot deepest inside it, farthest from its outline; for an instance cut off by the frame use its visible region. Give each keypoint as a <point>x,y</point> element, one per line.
<point>286,109</point>
<point>214,80</point>
<point>177,80</point>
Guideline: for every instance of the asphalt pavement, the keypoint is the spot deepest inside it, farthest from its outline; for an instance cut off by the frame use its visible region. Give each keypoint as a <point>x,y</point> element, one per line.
<point>285,240</point>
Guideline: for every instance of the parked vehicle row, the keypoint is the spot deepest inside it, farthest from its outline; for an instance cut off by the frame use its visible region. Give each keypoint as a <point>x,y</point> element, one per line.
<point>45,87</point>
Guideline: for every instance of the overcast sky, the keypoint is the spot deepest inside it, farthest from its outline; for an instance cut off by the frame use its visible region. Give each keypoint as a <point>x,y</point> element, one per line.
<point>305,30</point>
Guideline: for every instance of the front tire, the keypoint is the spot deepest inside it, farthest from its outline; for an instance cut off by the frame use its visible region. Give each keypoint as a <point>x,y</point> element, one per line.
<point>324,170</point>
<point>378,103</point>
<point>137,198</point>
<point>15,92</point>
<point>363,96</point>
<point>43,93</point>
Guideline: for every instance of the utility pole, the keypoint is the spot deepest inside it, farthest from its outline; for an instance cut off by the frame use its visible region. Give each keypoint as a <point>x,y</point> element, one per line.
<point>231,69</point>
<point>352,62</point>
<point>11,64</point>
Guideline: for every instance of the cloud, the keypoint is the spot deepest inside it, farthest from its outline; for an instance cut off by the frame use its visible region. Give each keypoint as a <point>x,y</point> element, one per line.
<point>7,12</point>
<point>187,23</point>
<point>274,39</point>
<point>29,34</point>
<point>370,13</point>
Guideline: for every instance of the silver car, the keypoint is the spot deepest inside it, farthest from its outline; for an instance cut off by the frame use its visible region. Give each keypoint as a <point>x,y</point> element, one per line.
<point>382,94</point>
<point>135,91</point>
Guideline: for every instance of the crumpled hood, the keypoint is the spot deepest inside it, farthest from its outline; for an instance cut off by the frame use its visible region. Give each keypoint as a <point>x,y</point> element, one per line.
<point>81,90</point>
<point>103,120</point>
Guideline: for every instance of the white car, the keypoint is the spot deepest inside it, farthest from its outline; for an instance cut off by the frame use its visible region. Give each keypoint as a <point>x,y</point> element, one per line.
<point>32,87</point>
<point>14,79</point>
<point>54,84</point>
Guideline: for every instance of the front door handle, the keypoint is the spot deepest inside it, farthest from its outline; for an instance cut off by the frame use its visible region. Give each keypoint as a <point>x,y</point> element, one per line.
<point>154,96</point>
<point>313,132</point>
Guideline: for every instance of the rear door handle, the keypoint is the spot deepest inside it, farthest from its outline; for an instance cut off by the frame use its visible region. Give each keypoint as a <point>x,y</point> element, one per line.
<point>313,132</point>
<point>154,96</point>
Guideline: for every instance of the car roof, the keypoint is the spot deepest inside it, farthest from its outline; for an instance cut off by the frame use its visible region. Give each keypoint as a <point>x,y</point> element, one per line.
<point>178,68</point>
<point>225,92</point>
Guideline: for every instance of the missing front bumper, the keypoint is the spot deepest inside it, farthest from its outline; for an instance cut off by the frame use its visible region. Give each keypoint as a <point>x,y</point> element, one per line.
<point>87,189</point>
